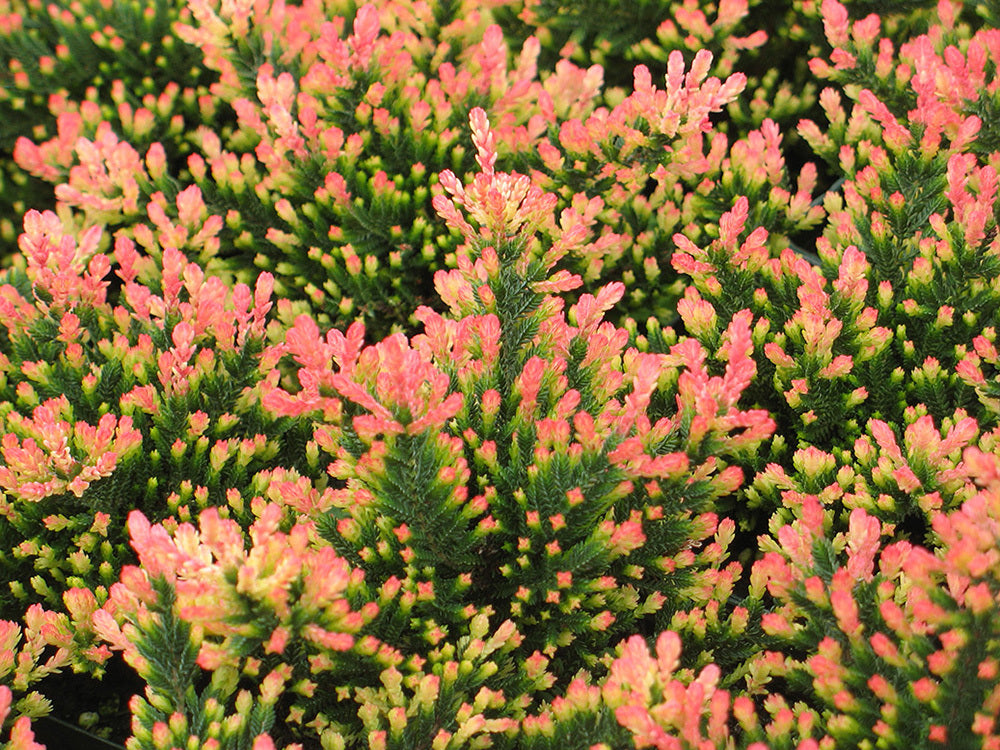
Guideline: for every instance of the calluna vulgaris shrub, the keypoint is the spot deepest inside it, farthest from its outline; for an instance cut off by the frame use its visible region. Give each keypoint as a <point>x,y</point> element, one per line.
<point>509,374</point>
<point>148,403</point>
<point>343,126</point>
<point>65,68</point>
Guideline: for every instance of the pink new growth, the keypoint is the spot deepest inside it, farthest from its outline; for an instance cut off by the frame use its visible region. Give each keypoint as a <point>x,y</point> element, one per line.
<point>504,205</point>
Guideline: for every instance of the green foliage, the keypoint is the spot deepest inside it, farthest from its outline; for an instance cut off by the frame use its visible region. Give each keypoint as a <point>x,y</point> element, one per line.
<point>449,493</point>
<point>66,67</point>
<point>177,705</point>
<point>501,461</point>
<point>113,397</point>
<point>328,179</point>
<point>893,653</point>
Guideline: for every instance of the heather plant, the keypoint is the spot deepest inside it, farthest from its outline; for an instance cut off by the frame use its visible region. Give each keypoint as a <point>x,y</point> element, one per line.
<point>342,128</point>
<point>42,644</point>
<point>118,392</point>
<point>664,438</point>
<point>666,707</point>
<point>514,472</point>
<point>69,69</point>
<point>874,344</point>
<point>20,736</point>
<point>299,624</point>
<point>896,642</point>
<point>531,385</point>
<point>768,42</point>
<point>654,168</point>
<point>23,662</point>
<point>341,125</point>
<point>644,32</point>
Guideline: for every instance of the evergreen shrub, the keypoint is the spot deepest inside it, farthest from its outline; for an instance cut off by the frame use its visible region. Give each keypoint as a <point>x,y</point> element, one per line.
<point>514,374</point>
